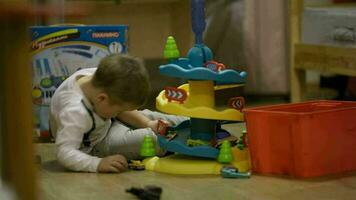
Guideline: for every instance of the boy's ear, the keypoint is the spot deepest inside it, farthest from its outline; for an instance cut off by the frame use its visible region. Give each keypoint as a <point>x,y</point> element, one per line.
<point>102,97</point>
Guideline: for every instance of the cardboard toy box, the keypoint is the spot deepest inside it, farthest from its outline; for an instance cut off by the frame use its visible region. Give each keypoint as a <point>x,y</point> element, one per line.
<point>59,51</point>
<point>306,139</point>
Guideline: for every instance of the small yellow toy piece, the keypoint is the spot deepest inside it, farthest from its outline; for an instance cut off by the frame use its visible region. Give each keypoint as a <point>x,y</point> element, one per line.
<point>195,143</point>
<point>136,165</point>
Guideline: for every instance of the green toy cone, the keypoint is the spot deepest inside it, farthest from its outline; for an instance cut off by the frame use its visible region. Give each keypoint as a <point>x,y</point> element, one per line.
<point>225,153</point>
<point>171,50</point>
<point>148,147</point>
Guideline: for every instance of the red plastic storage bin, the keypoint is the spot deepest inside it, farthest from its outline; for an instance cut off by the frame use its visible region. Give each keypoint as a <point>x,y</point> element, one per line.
<point>303,139</point>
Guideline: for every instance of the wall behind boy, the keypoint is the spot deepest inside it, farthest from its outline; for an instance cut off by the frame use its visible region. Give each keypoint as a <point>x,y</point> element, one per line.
<point>266,46</point>
<point>149,23</point>
<point>149,26</point>
<point>251,35</point>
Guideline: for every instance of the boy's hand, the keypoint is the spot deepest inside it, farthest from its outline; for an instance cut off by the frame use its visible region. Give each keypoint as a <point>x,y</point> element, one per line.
<point>157,125</point>
<point>115,163</point>
<point>153,124</point>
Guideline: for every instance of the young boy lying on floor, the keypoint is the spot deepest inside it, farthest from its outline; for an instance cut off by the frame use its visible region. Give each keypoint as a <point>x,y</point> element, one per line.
<point>94,117</point>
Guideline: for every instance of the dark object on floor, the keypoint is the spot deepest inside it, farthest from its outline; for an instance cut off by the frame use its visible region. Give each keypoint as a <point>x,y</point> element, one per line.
<point>148,193</point>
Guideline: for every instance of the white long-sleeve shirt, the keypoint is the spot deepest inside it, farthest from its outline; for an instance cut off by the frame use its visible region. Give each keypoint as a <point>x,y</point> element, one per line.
<point>71,118</point>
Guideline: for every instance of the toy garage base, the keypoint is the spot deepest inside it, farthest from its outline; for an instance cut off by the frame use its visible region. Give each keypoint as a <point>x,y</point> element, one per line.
<point>180,164</point>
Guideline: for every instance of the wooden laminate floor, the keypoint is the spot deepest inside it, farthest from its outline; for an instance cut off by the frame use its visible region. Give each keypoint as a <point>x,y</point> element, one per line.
<point>57,183</point>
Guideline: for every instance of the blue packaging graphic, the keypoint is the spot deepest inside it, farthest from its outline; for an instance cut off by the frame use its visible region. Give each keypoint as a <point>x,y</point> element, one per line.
<point>59,51</point>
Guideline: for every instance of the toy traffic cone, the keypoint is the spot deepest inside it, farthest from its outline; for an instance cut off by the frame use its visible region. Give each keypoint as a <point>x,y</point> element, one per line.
<point>148,147</point>
<point>225,153</point>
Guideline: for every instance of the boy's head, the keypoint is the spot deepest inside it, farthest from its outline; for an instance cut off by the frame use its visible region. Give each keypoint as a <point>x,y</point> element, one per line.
<point>124,79</point>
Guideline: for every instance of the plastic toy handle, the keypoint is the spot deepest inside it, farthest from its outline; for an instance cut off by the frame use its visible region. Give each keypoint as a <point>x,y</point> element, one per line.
<point>198,19</point>
<point>67,24</point>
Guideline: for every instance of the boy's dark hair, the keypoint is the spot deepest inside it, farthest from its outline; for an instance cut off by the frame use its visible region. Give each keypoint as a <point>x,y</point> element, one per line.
<point>124,78</point>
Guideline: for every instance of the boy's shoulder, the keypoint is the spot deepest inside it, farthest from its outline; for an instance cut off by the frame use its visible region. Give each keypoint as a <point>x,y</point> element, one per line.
<point>68,97</point>
<point>69,104</point>
<point>72,108</point>
<point>69,91</point>
<point>69,83</point>
<point>85,71</point>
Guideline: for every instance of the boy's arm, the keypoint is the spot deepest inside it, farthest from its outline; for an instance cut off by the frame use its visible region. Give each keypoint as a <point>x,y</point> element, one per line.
<point>69,155</point>
<point>69,137</point>
<point>138,120</point>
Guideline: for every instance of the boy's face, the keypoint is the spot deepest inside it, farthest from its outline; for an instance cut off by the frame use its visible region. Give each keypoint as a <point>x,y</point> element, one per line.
<point>106,109</point>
